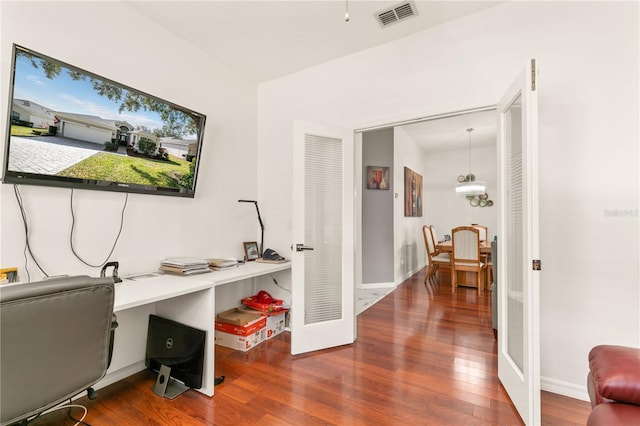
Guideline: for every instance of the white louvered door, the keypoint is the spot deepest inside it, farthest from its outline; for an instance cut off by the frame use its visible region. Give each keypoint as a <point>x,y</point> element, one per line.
<point>518,252</point>
<point>322,311</point>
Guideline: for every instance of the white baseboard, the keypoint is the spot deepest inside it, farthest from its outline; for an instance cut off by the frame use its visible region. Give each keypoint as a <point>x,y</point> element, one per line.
<point>564,388</point>
<point>369,286</point>
<point>115,376</point>
<point>408,275</point>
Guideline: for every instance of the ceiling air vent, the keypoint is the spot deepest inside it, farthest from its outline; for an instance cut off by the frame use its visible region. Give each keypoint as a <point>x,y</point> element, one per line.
<point>396,13</point>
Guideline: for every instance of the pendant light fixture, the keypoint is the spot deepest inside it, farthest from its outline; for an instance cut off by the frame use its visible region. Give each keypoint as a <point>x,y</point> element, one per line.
<point>468,185</point>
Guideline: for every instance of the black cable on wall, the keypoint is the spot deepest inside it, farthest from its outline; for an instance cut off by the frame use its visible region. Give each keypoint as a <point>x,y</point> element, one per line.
<point>27,247</point>
<point>73,221</point>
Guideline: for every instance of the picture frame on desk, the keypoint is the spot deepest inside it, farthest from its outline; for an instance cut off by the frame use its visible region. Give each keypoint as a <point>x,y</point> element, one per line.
<point>251,251</point>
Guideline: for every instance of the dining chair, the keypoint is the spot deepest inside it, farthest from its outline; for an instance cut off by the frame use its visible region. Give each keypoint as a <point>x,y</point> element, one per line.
<point>483,231</point>
<point>435,259</point>
<point>466,255</point>
<point>434,239</point>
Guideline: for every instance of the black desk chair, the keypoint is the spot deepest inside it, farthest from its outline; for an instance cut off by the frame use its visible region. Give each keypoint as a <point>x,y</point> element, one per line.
<point>56,338</point>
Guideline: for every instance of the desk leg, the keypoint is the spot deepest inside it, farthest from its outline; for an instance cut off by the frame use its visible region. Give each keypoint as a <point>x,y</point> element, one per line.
<point>197,310</point>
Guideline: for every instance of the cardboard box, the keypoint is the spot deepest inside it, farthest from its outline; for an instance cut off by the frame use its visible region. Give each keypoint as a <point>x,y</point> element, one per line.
<point>237,316</point>
<point>240,343</point>
<point>275,323</point>
<point>259,323</point>
<point>240,337</point>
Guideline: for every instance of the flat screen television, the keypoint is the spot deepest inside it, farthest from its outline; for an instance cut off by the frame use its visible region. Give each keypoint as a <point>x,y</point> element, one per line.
<point>68,127</point>
<point>178,347</point>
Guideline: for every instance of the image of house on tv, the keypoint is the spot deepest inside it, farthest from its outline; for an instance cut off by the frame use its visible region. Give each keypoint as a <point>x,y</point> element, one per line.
<point>95,130</point>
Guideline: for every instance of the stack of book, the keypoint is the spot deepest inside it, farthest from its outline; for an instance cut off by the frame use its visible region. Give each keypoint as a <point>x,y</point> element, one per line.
<point>185,265</point>
<point>222,264</point>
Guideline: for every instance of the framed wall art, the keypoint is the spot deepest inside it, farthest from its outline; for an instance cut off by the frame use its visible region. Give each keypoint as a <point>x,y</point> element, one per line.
<point>412,193</point>
<point>378,177</point>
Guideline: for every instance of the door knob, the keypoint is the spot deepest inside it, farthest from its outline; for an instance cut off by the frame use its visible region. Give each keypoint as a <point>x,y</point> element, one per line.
<point>301,247</point>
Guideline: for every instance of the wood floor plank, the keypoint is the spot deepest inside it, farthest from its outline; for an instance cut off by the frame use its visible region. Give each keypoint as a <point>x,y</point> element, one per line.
<point>424,356</point>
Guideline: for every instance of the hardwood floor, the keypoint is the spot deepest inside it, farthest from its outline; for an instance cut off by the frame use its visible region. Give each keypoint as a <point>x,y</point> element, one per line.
<point>423,356</point>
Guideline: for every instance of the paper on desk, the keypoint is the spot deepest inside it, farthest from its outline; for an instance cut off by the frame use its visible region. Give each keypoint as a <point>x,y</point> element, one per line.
<point>184,261</point>
<point>222,262</point>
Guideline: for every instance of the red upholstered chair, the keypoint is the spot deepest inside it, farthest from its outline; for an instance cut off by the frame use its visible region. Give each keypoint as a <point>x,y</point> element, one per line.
<point>614,385</point>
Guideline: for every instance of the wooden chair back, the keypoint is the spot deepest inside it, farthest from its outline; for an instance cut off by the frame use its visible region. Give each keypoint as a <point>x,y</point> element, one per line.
<point>466,255</point>
<point>435,259</point>
<point>428,241</point>
<point>483,230</point>
<point>434,239</point>
<point>466,245</point>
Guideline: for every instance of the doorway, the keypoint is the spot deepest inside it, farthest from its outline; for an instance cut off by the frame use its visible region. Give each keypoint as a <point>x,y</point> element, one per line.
<point>437,147</point>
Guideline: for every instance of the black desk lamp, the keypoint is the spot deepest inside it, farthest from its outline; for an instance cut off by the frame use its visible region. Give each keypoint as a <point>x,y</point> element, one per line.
<point>260,221</point>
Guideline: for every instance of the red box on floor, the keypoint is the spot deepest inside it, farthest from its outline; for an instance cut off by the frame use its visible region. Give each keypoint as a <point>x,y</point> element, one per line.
<point>240,343</point>
<point>241,337</point>
<point>242,330</point>
<point>275,321</point>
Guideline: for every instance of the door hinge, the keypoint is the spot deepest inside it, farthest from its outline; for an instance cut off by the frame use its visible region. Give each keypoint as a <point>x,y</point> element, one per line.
<point>536,265</point>
<point>533,75</point>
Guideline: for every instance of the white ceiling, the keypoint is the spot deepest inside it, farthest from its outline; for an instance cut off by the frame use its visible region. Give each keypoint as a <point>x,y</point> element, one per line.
<point>265,40</point>
<point>449,134</point>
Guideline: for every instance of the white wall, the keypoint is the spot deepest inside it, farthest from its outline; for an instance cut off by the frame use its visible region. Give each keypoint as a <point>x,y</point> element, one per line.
<point>410,253</point>
<point>588,58</point>
<point>106,38</point>
<point>446,210</point>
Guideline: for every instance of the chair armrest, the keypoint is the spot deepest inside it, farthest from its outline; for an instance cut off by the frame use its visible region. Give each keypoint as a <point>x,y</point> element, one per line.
<point>615,372</point>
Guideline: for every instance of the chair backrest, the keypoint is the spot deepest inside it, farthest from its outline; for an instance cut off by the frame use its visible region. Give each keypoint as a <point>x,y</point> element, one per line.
<point>434,240</point>
<point>466,244</point>
<point>483,230</point>
<point>434,235</point>
<point>54,342</point>
<point>428,241</point>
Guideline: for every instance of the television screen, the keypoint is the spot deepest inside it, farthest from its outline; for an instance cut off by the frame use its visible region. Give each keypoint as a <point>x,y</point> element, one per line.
<point>177,346</point>
<point>72,128</point>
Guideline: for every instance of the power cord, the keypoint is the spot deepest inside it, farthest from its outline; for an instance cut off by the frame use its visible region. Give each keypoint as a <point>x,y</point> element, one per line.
<point>62,407</point>
<point>27,247</point>
<point>73,222</point>
<point>84,415</point>
<point>276,283</point>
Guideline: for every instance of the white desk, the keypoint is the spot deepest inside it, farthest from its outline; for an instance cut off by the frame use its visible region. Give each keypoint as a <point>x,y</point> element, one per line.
<point>186,299</point>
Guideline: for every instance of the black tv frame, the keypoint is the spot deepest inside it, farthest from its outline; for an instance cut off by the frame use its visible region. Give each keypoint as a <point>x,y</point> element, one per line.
<point>27,178</point>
